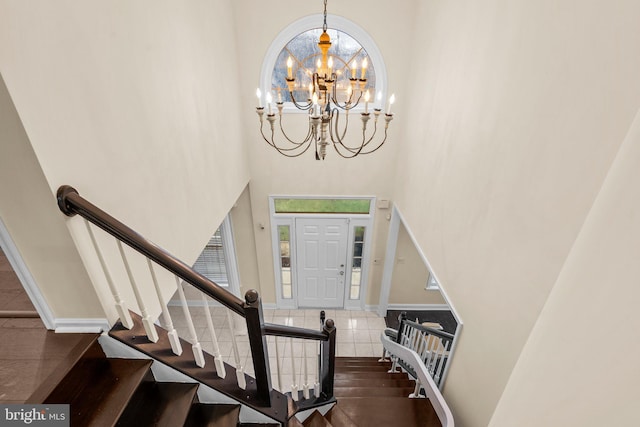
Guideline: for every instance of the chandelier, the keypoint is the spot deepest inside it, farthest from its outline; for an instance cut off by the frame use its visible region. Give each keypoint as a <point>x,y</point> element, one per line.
<point>328,108</point>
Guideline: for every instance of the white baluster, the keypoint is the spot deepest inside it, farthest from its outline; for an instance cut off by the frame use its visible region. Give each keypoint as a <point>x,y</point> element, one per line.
<point>416,391</point>
<point>121,308</point>
<point>278,367</point>
<point>316,385</point>
<point>195,344</point>
<point>294,385</point>
<point>305,386</point>
<point>149,327</point>
<point>217,357</point>
<point>242,382</point>
<point>445,349</point>
<point>174,339</point>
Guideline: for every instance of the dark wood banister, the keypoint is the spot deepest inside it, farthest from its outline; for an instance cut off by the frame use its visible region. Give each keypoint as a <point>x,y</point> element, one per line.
<point>71,203</point>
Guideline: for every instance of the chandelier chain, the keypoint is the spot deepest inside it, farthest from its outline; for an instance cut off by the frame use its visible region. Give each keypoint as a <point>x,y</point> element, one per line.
<point>324,25</point>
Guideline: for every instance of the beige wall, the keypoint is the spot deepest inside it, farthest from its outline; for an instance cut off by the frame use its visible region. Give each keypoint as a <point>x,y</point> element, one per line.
<point>135,104</point>
<point>410,275</point>
<point>36,226</point>
<point>273,174</point>
<point>518,114</point>
<point>580,364</point>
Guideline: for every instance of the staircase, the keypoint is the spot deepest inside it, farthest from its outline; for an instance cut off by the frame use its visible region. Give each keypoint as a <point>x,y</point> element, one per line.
<point>367,395</point>
<point>105,391</point>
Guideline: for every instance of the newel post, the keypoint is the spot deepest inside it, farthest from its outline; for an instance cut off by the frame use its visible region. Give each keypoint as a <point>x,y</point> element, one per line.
<point>328,359</point>
<point>258,344</point>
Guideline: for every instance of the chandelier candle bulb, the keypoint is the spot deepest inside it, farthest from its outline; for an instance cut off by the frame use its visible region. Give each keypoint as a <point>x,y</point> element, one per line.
<point>290,68</point>
<point>392,99</point>
<point>269,99</point>
<point>367,97</point>
<point>330,65</point>
<point>363,73</point>
<point>259,95</point>
<point>354,69</point>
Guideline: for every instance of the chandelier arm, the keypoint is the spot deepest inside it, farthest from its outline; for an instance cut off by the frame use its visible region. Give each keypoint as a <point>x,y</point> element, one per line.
<point>283,151</point>
<point>304,107</point>
<point>297,144</point>
<point>379,145</point>
<point>338,139</point>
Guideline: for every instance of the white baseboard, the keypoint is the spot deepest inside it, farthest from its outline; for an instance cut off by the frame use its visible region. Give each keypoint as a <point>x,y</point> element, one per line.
<point>269,306</point>
<point>81,326</point>
<point>25,277</point>
<point>419,307</point>
<point>371,307</point>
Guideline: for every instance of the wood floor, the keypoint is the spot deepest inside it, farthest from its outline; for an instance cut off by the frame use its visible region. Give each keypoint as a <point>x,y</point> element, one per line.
<point>29,354</point>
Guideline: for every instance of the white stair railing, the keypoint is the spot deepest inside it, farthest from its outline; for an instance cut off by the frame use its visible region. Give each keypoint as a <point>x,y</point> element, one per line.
<point>294,383</point>
<point>424,379</point>
<point>217,357</point>
<point>121,307</point>
<point>242,382</point>
<point>432,346</point>
<point>196,347</point>
<point>174,339</point>
<point>147,322</point>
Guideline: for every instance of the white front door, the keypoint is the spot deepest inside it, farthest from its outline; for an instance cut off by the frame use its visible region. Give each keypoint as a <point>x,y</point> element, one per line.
<point>322,256</point>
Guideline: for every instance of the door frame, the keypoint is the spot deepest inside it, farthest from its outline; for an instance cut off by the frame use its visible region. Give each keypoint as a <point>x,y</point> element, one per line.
<point>354,220</point>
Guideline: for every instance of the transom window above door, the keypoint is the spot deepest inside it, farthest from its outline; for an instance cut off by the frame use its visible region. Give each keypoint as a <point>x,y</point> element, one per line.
<point>329,206</point>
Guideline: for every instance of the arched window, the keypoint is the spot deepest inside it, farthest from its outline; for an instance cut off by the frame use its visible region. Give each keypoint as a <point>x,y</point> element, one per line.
<point>350,46</point>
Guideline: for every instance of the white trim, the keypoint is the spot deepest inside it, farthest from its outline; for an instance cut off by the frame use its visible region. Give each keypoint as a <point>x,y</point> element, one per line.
<point>416,307</point>
<point>269,306</point>
<point>25,277</point>
<point>229,248</point>
<point>389,258</point>
<point>81,326</point>
<point>337,23</point>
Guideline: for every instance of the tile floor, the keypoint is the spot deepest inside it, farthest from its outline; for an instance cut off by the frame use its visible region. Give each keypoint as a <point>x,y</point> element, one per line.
<point>358,334</point>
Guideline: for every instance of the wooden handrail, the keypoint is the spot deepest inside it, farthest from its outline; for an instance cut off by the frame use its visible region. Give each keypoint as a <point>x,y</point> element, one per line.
<point>71,203</point>
<point>293,332</point>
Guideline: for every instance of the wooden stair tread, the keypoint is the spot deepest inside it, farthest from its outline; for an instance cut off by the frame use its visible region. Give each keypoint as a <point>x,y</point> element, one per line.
<point>85,342</point>
<point>340,392</point>
<point>361,368</point>
<point>374,382</point>
<point>294,422</point>
<point>98,390</point>
<point>161,351</point>
<point>316,420</point>
<point>258,425</point>
<point>204,414</point>
<point>338,418</point>
<point>390,411</point>
<point>159,404</point>
<point>369,376</point>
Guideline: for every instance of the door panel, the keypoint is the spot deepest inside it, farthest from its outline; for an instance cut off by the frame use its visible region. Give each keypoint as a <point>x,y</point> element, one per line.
<point>322,251</point>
